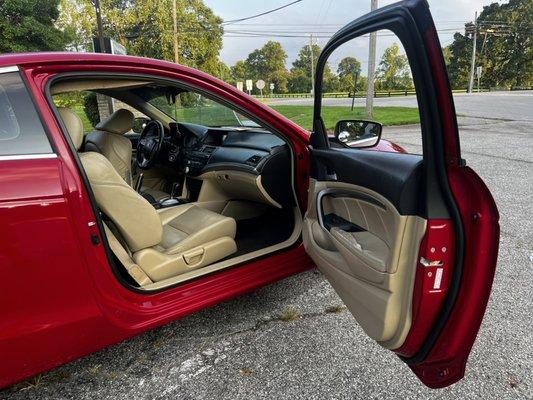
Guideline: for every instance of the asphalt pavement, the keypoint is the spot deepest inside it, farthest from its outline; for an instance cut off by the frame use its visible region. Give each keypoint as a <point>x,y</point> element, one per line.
<point>294,339</point>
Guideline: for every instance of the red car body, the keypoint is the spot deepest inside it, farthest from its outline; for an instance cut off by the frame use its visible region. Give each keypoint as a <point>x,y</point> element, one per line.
<point>73,304</point>
<point>61,300</point>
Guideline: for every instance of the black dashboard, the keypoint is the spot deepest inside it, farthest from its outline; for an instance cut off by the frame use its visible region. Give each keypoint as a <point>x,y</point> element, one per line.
<point>198,149</point>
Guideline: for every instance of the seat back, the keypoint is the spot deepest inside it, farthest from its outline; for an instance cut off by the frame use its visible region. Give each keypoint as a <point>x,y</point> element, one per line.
<point>135,218</point>
<point>74,125</point>
<point>108,140</point>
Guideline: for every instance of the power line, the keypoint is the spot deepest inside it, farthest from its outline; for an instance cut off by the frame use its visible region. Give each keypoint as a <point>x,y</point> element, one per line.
<point>320,11</point>
<point>303,34</point>
<point>260,14</point>
<point>270,33</point>
<point>327,10</point>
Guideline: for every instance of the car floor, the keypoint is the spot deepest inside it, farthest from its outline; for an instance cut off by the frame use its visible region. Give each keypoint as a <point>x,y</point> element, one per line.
<point>272,227</point>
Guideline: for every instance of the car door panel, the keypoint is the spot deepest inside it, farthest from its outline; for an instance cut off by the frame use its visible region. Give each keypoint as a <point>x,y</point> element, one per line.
<point>408,242</point>
<point>370,268</point>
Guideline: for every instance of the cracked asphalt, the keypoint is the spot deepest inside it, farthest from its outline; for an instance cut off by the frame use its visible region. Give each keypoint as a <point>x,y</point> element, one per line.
<point>295,340</point>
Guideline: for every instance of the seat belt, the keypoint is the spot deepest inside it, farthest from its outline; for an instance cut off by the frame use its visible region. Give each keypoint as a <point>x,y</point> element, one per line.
<point>133,269</point>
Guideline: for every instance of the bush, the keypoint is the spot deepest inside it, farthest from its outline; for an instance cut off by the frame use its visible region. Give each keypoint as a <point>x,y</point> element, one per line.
<point>90,107</point>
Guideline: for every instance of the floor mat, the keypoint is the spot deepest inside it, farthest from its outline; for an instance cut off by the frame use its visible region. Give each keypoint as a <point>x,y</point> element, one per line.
<point>275,226</point>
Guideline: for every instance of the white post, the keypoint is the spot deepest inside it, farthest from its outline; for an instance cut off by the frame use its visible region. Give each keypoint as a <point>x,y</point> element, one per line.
<point>312,65</point>
<point>371,68</point>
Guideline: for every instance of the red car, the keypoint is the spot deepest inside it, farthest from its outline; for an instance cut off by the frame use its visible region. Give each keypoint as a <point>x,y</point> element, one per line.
<point>225,195</point>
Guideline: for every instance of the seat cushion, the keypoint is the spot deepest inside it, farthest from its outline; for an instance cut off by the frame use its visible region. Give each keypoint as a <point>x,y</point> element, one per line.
<point>188,225</point>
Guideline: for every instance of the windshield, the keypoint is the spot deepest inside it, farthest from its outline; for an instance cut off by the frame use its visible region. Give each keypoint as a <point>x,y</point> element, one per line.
<point>197,109</point>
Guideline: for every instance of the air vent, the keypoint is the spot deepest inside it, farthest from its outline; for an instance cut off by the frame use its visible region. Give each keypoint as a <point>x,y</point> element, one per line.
<point>254,160</point>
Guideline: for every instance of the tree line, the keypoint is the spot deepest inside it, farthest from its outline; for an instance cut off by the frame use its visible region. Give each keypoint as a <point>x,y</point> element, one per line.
<point>269,63</point>
<point>145,28</point>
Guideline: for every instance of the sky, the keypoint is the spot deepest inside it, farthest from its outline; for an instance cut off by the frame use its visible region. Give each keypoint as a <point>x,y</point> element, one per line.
<point>322,18</point>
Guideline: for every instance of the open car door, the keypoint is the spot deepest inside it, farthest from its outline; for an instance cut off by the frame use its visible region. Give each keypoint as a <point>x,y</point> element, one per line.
<point>409,242</point>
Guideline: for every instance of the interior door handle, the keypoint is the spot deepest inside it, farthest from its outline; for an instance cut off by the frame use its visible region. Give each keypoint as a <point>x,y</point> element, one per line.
<point>427,263</point>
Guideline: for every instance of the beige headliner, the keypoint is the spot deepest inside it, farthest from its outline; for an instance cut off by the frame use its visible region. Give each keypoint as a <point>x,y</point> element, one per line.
<point>73,85</point>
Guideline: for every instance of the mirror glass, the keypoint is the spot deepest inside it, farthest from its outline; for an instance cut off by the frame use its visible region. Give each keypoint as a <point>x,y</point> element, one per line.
<point>358,133</point>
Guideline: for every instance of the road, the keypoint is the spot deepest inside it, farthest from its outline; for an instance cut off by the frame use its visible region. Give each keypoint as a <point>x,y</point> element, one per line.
<point>516,106</point>
<point>242,349</point>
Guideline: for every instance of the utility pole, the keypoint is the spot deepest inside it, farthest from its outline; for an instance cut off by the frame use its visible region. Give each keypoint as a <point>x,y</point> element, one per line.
<point>312,65</point>
<point>371,67</point>
<point>101,41</point>
<point>473,62</point>
<point>100,27</point>
<point>175,20</point>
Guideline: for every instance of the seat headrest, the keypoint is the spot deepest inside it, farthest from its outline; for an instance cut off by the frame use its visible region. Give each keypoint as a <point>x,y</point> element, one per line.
<point>73,124</point>
<point>120,122</point>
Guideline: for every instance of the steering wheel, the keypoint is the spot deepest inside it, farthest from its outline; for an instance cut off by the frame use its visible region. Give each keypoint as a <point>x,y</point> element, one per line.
<point>150,144</point>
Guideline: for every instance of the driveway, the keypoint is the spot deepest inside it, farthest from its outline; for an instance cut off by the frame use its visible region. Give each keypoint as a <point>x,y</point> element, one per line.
<point>295,340</point>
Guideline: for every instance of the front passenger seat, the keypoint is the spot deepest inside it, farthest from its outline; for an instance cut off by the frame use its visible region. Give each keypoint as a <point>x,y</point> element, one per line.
<point>163,243</point>
<point>108,139</point>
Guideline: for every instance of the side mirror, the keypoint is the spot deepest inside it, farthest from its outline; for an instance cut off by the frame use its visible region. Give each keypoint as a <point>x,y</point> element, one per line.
<point>139,123</point>
<point>358,133</point>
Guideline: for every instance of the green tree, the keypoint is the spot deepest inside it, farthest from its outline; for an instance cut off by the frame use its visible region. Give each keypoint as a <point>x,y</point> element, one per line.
<point>349,69</point>
<point>349,66</point>
<point>145,28</point>
<point>77,19</point>
<point>223,71</point>
<point>300,80</point>
<point>504,46</point>
<point>459,62</point>
<point>239,71</point>
<point>28,25</point>
<point>268,63</point>
<point>393,71</point>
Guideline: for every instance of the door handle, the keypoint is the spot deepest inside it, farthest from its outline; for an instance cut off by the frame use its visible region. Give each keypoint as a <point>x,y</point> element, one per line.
<point>427,263</point>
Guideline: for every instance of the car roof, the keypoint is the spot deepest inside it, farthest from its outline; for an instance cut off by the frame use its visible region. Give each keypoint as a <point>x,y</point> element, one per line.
<point>42,58</point>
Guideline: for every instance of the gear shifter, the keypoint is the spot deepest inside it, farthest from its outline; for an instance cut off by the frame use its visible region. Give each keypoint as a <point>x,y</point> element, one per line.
<point>176,190</point>
<point>172,200</point>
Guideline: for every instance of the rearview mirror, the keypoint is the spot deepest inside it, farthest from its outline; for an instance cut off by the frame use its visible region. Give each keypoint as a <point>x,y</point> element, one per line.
<point>358,133</point>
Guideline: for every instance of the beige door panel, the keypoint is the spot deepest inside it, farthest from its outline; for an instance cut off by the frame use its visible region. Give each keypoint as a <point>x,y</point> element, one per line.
<point>373,269</point>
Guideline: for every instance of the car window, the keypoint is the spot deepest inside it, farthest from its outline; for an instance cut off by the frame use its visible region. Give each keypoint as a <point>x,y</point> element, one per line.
<point>395,105</point>
<point>21,131</point>
<point>194,108</point>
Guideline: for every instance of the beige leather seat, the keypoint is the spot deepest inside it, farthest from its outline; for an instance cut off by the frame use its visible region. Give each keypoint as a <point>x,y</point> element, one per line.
<point>163,243</point>
<point>108,139</point>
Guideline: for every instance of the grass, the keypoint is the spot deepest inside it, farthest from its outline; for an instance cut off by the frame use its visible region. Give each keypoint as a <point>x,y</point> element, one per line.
<point>303,115</point>
<point>87,126</point>
<point>289,314</point>
<point>335,309</point>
